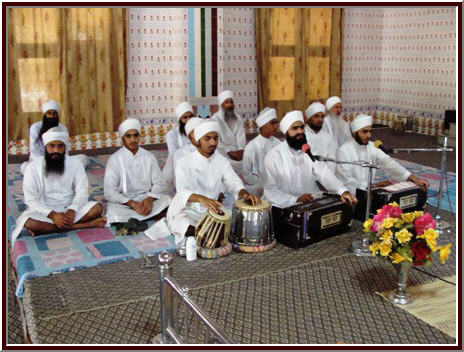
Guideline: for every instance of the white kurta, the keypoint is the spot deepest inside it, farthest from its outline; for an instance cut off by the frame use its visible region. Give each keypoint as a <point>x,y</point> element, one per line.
<point>196,174</point>
<point>59,193</point>
<point>291,173</point>
<point>339,128</point>
<point>175,140</point>
<point>322,143</point>
<point>169,167</point>
<point>253,162</point>
<point>231,138</point>
<point>133,177</point>
<point>37,148</point>
<point>354,176</point>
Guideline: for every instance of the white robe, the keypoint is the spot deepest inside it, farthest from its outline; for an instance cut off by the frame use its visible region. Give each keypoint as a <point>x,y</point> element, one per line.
<point>339,128</point>
<point>291,173</point>
<point>59,193</point>
<point>175,140</point>
<point>37,148</point>
<point>196,174</point>
<point>168,170</point>
<point>231,138</point>
<point>133,177</point>
<point>354,176</point>
<point>253,162</point>
<point>322,143</point>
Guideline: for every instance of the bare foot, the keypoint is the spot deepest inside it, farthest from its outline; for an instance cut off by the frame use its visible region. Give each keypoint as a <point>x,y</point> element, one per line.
<point>98,222</point>
<point>31,233</point>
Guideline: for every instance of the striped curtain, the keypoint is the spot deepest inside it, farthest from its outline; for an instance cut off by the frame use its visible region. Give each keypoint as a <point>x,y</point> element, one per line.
<point>299,53</point>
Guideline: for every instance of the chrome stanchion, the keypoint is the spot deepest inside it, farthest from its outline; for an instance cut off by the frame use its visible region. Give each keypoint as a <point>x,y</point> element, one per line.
<point>441,225</point>
<point>166,301</point>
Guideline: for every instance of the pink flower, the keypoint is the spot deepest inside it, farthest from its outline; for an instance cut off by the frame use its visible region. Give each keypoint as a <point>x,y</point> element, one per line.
<point>395,212</point>
<point>391,211</point>
<point>424,222</point>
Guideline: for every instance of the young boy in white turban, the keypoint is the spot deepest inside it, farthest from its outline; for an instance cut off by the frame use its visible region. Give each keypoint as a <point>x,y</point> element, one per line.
<point>133,183</point>
<point>177,137</point>
<point>232,139</point>
<point>50,119</point>
<point>256,150</point>
<point>361,148</point>
<point>291,175</point>
<point>200,177</point>
<point>56,191</point>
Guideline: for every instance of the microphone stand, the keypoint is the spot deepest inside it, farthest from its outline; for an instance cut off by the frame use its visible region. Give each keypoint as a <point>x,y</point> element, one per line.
<point>360,248</point>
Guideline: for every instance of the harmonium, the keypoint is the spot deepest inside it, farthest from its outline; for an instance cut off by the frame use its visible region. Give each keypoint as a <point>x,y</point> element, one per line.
<point>408,195</point>
<point>305,223</point>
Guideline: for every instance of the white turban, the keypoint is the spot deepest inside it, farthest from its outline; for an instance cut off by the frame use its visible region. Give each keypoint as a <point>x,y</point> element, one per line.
<point>204,128</point>
<point>361,121</point>
<point>329,103</point>
<point>226,94</point>
<point>191,124</point>
<point>313,109</point>
<point>289,119</point>
<point>51,105</point>
<point>266,115</point>
<point>129,124</point>
<point>56,134</point>
<point>182,108</point>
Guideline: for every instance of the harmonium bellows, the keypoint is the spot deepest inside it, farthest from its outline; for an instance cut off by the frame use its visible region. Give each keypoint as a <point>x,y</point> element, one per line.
<point>305,223</point>
<point>408,195</point>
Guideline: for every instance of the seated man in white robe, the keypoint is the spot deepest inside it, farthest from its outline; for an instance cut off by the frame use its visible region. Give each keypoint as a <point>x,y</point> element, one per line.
<point>50,119</point>
<point>200,178</point>
<point>361,148</point>
<point>319,139</point>
<point>291,174</point>
<point>334,122</point>
<point>56,191</point>
<point>177,137</point>
<point>133,183</point>
<point>257,149</point>
<point>232,139</point>
<point>169,167</point>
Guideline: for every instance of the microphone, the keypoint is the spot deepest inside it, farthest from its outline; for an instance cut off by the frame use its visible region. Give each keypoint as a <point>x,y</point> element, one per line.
<point>307,149</point>
<point>378,144</point>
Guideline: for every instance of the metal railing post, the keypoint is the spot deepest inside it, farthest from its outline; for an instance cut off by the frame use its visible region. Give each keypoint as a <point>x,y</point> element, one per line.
<point>166,302</point>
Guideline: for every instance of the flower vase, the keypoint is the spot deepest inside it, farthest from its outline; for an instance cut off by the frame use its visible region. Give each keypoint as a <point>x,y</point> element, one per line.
<point>399,296</point>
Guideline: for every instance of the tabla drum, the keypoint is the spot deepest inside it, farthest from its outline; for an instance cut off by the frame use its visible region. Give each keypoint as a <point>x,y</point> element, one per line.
<point>213,229</point>
<point>252,227</point>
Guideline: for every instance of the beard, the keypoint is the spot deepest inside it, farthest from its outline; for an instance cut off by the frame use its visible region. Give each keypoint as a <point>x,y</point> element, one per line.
<point>359,140</point>
<point>295,143</point>
<point>47,124</point>
<point>314,127</point>
<point>182,128</point>
<point>229,114</point>
<point>54,163</point>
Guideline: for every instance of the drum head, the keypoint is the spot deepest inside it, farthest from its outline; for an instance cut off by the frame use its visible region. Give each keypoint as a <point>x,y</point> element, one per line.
<point>241,204</point>
<point>225,217</point>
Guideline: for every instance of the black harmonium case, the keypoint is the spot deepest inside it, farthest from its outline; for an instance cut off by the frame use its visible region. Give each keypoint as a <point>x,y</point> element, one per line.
<point>305,223</point>
<point>408,195</point>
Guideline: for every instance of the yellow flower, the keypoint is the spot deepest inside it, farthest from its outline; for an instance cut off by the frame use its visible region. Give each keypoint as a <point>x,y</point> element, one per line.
<point>418,213</point>
<point>408,217</point>
<point>385,248</point>
<point>378,211</point>
<point>397,258</point>
<point>374,247</point>
<point>388,222</point>
<point>393,204</point>
<point>398,222</point>
<point>386,235</point>
<point>430,236</point>
<point>403,236</point>
<point>445,252</point>
<point>368,224</point>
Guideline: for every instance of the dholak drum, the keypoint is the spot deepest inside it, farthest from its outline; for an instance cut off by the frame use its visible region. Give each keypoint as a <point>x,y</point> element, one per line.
<point>212,234</point>
<point>252,227</point>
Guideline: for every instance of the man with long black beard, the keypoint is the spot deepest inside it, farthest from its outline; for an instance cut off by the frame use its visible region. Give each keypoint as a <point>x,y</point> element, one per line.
<point>232,138</point>
<point>360,148</point>
<point>50,119</point>
<point>56,191</point>
<point>291,175</point>
<point>177,137</point>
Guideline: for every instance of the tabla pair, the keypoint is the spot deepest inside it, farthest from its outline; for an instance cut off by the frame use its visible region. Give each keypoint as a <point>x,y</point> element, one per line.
<point>249,229</point>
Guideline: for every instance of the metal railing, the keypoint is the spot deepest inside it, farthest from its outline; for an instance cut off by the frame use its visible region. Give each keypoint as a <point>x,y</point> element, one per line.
<point>176,323</point>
